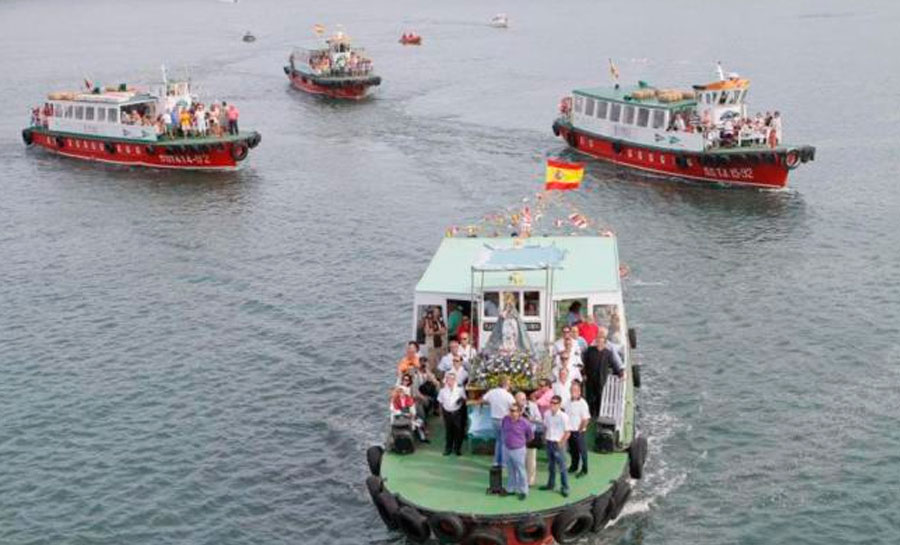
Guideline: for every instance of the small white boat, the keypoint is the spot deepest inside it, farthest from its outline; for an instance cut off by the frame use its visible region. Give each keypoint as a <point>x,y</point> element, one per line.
<point>249,37</point>
<point>500,21</point>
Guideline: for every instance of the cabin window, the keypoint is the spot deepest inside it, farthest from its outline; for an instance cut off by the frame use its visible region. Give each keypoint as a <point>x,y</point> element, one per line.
<point>723,98</point>
<point>629,115</point>
<point>602,106</point>
<point>659,119</point>
<point>69,112</point>
<point>589,107</point>
<point>112,115</point>
<point>57,110</point>
<point>735,96</point>
<point>579,104</point>
<point>101,114</point>
<point>79,112</point>
<point>532,303</point>
<point>615,112</point>
<point>89,113</point>
<point>491,304</point>
<point>643,117</point>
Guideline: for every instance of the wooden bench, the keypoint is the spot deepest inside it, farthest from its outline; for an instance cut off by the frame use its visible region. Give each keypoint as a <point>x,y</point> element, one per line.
<point>612,414</point>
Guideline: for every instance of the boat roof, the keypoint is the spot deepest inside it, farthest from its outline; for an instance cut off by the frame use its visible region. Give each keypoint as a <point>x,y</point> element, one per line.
<point>106,97</point>
<point>580,264</point>
<point>725,84</point>
<point>624,94</point>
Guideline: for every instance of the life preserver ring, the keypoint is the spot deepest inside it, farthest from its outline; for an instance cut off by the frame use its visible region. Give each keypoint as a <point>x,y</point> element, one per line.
<point>387,507</point>
<point>637,455</point>
<point>600,510</point>
<point>792,159</point>
<point>239,151</point>
<point>486,536</point>
<point>570,525</point>
<point>636,375</point>
<point>531,530</point>
<point>110,148</point>
<point>27,137</point>
<point>447,527</point>
<point>373,456</point>
<point>621,493</point>
<point>413,524</point>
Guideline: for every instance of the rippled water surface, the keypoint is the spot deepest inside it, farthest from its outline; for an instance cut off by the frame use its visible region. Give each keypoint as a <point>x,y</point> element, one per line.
<point>194,359</point>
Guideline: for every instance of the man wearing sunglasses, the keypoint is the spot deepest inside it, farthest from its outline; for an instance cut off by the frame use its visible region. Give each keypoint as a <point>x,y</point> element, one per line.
<point>556,433</point>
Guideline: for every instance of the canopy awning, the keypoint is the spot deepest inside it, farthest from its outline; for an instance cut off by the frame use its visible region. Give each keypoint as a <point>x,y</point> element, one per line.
<point>523,258</point>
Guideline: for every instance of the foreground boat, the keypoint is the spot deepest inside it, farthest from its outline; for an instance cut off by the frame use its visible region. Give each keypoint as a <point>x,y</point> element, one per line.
<point>124,126</point>
<point>337,70</point>
<point>703,134</point>
<point>518,294</point>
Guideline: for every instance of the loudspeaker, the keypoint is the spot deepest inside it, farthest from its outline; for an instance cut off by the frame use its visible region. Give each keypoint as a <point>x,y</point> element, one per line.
<point>496,480</point>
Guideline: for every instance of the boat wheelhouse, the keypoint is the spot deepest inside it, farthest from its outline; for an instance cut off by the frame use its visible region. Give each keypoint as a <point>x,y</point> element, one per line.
<point>338,70</point>
<point>704,133</point>
<point>540,281</point>
<point>121,125</point>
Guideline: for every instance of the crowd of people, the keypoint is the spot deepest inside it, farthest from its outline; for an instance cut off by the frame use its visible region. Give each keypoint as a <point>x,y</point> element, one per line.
<point>555,415</point>
<point>341,63</point>
<point>734,130</point>
<point>198,120</point>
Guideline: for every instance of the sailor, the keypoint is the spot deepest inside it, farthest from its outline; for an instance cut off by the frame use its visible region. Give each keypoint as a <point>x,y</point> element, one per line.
<point>556,433</point>
<point>453,406</point>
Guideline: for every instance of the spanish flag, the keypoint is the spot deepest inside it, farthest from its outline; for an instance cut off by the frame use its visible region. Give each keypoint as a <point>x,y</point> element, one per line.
<point>562,175</point>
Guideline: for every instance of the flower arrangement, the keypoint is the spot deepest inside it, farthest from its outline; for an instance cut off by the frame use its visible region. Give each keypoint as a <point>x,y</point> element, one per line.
<point>518,366</point>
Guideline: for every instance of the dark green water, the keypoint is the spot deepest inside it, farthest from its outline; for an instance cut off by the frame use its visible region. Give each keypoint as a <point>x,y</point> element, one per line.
<point>202,359</point>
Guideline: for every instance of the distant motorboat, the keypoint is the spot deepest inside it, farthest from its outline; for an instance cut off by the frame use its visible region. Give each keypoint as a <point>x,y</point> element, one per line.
<point>248,37</point>
<point>411,39</point>
<point>500,21</point>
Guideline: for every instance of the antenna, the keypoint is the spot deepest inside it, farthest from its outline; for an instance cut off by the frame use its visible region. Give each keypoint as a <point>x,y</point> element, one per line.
<point>720,71</point>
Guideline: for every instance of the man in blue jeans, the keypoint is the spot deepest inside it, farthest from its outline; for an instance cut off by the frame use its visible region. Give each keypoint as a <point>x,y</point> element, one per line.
<point>500,400</point>
<point>556,433</point>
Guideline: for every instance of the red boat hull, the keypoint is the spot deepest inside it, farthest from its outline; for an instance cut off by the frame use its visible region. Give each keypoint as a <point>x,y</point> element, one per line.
<point>755,168</point>
<point>348,92</point>
<point>180,155</point>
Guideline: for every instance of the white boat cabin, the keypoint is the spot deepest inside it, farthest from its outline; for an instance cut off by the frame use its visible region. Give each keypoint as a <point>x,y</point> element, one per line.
<point>117,113</point>
<point>551,280</point>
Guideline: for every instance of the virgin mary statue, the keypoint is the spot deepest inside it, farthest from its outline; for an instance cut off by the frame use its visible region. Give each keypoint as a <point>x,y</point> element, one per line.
<point>509,335</point>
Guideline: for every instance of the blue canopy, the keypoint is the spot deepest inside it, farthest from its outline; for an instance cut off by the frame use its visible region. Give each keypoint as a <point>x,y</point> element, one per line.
<point>521,258</point>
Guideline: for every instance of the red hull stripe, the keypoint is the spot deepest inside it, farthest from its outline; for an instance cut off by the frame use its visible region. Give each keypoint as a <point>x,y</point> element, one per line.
<point>740,171</point>
<point>562,185</point>
<point>354,92</point>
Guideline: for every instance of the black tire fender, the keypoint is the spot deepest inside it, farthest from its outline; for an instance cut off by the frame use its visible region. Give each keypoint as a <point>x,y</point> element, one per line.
<point>617,147</point>
<point>531,530</point>
<point>636,375</point>
<point>413,524</point>
<point>239,151</point>
<point>60,142</point>
<point>375,485</point>
<point>632,337</point>
<point>27,137</point>
<point>151,150</point>
<point>447,527</point>
<point>373,457</point>
<point>619,499</point>
<point>555,128</point>
<point>387,507</point>
<point>600,510</point>
<point>571,525</point>
<point>637,455</point>
<point>486,536</point>
<point>572,139</point>
<point>110,148</point>
<point>255,141</point>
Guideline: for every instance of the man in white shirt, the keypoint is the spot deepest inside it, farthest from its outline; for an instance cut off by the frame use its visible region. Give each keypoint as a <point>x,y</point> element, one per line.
<point>563,386</point>
<point>563,361</point>
<point>447,361</point>
<point>452,399</point>
<point>465,349</point>
<point>568,344</point>
<point>500,400</point>
<point>556,433</point>
<point>462,376</point>
<point>579,416</point>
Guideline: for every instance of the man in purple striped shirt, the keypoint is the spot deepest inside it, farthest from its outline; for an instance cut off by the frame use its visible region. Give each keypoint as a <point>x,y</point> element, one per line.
<point>516,433</point>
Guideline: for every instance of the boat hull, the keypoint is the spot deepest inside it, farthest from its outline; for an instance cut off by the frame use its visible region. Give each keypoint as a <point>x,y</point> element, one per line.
<point>347,89</point>
<point>757,168</point>
<point>181,154</point>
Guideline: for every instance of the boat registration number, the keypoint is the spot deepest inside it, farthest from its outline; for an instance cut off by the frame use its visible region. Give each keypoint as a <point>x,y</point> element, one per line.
<point>730,173</point>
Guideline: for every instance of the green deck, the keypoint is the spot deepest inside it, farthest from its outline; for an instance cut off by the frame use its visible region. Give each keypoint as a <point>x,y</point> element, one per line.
<point>435,482</point>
